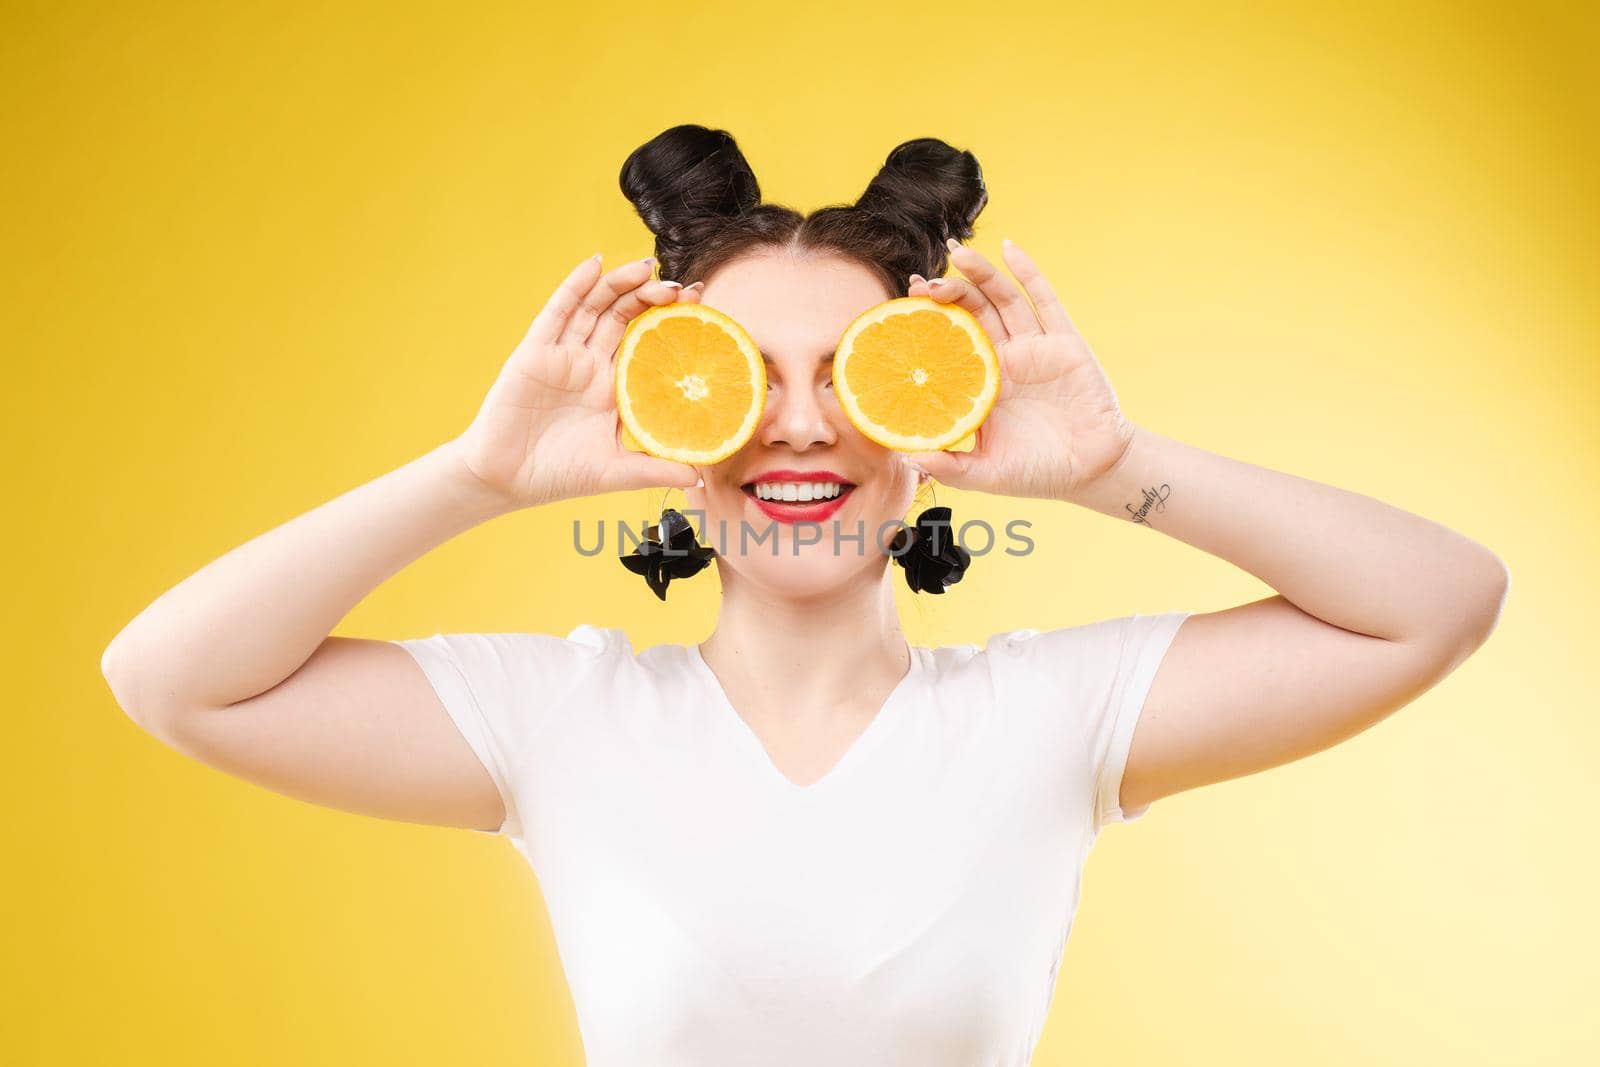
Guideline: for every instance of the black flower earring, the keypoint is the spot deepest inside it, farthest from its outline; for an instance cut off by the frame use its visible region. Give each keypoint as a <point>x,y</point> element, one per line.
<point>929,553</point>
<point>669,551</point>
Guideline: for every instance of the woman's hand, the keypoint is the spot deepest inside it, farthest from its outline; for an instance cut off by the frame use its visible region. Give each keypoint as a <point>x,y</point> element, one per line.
<point>549,430</point>
<point>1056,425</point>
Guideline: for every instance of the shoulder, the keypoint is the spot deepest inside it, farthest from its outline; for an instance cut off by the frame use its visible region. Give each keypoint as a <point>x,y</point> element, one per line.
<point>1084,653</point>
<point>585,641</point>
<point>521,660</point>
<point>1028,643</point>
<point>1088,638</point>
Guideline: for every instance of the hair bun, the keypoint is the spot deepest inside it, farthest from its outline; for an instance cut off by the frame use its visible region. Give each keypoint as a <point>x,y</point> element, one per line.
<point>931,187</point>
<point>685,182</point>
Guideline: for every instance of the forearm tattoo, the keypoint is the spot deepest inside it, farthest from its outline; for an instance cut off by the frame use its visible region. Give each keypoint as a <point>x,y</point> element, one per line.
<point>1155,499</point>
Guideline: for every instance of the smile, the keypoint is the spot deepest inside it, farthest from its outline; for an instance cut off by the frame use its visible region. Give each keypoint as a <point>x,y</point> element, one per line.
<point>798,501</point>
<point>795,492</point>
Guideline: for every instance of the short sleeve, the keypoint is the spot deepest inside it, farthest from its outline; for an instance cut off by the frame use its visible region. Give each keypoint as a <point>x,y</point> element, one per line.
<point>1096,676</point>
<point>503,689</point>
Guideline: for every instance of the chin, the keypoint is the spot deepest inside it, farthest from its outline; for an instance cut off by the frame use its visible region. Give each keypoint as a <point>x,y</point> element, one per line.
<point>816,571</point>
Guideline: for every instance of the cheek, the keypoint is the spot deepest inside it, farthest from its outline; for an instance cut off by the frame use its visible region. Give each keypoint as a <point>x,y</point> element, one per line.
<point>894,493</point>
<point>904,480</point>
<point>716,498</point>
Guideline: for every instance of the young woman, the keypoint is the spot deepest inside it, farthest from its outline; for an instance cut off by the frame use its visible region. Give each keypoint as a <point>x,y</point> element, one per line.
<point>803,840</point>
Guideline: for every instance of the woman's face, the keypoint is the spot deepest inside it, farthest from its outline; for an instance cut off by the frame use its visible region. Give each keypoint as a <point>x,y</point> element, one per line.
<point>796,306</point>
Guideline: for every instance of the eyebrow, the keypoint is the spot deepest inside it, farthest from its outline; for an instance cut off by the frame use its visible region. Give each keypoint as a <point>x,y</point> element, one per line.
<point>768,359</point>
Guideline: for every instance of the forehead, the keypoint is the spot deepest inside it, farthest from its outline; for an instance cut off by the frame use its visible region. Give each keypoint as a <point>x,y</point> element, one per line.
<point>794,305</point>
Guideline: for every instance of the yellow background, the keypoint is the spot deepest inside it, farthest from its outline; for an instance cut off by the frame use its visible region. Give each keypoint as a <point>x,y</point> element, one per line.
<point>257,256</point>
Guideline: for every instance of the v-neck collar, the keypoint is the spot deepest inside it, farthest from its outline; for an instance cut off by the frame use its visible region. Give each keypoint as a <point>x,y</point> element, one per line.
<point>893,706</point>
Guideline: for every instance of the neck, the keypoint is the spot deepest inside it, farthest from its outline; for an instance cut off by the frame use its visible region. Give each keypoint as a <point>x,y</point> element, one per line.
<point>811,658</point>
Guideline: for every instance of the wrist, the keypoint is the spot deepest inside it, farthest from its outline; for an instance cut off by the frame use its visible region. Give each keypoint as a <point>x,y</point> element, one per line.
<point>1130,487</point>
<point>475,499</point>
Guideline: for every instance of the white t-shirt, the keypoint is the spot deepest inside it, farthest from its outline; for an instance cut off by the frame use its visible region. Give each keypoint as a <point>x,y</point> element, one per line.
<point>909,908</point>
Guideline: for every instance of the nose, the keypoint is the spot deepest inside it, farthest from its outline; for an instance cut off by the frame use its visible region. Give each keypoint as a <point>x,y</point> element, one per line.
<point>800,418</point>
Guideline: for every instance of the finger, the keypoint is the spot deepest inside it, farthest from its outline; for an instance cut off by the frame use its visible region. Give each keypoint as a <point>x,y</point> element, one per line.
<point>552,318</point>
<point>960,470</point>
<point>602,295</point>
<point>951,468</point>
<point>1014,309</point>
<point>1051,313</point>
<point>964,294</point>
<point>690,294</point>
<point>611,325</point>
<point>637,471</point>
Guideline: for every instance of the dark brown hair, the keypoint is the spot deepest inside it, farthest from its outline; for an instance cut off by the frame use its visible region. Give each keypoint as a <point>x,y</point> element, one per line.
<point>695,191</point>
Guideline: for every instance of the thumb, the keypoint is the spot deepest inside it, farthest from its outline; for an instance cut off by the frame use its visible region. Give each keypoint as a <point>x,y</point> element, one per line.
<point>948,467</point>
<point>649,472</point>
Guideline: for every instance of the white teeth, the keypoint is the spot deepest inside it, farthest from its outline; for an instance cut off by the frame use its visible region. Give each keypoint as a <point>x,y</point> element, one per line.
<point>799,492</point>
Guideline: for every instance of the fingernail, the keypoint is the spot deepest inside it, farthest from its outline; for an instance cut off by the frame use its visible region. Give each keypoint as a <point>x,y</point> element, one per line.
<point>596,256</point>
<point>697,285</point>
<point>675,285</point>
<point>935,283</point>
<point>648,259</point>
<point>1008,243</point>
<point>917,278</point>
<point>952,244</point>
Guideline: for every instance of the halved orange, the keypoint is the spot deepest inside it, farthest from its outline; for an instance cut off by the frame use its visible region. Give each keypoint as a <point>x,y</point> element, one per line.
<point>691,384</point>
<point>916,375</point>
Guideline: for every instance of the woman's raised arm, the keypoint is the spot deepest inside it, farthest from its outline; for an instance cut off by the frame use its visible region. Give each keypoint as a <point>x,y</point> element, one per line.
<point>249,619</point>
<point>1374,605</point>
<point>234,665</point>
